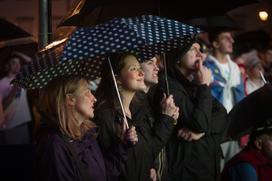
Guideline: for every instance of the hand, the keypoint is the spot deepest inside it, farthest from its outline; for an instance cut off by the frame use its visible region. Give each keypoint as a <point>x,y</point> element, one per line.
<point>168,107</point>
<point>131,136</point>
<point>203,74</point>
<point>153,174</point>
<point>188,135</point>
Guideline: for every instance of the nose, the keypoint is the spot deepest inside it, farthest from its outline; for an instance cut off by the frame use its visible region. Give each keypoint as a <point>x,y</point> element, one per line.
<point>92,97</point>
<point>199,53</point>
<point>231,39</point>
<point>141,72</point>
<point>156,67</point>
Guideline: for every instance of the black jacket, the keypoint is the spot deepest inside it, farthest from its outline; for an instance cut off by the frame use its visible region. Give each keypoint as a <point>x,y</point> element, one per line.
<point>199,112</point>
<point>150,141</point>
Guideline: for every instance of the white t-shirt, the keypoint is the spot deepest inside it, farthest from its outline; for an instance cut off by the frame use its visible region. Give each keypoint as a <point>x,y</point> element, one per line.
<point>227,93</point>
<point>17,112</point>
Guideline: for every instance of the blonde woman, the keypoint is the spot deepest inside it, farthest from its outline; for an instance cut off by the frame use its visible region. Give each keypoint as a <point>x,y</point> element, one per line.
<point>67,147</point>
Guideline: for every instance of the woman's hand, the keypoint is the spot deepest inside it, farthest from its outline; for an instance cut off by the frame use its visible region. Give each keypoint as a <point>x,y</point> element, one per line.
<point>130,136</point>
<point>168,107</point>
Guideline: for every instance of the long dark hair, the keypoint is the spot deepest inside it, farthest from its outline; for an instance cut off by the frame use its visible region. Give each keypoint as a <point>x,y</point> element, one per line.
<point>106,92</point>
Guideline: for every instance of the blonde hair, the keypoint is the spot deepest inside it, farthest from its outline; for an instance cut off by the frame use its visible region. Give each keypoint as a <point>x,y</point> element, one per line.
<point>53,105</point>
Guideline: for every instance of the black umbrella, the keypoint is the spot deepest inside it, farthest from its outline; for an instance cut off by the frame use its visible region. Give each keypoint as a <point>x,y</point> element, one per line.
<point>253,110</point>
<point>10,31</point>
<point>213,23</point>
<point>91,12</point>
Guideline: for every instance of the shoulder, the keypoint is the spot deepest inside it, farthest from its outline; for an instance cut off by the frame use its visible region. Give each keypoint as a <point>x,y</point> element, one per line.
<point>243,171</point>
<point>54,145</point>
<point>103,110</point>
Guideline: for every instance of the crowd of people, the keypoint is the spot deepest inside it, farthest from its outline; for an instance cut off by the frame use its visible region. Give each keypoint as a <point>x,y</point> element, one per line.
<point>85,134</point>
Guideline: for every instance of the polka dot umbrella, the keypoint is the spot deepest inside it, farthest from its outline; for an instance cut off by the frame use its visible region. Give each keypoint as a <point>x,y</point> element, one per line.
<point>83,53</point>
<point>156,34</point>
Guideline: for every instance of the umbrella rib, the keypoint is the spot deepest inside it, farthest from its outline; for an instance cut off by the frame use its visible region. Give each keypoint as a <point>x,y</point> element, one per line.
<point>118,94</point>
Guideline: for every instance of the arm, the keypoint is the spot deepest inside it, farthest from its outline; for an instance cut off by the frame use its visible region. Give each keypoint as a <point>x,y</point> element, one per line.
<point>114,151</point>
<point>197,113</point>
<point>55,163</point>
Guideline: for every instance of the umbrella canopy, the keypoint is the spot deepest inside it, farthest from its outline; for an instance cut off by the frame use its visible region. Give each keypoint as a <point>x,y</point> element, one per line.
<point>213,23</point>
<point>87,47</point>
<point>10,31</point>
<point>92,12</point>
<point>47,65</point>
<point>252,111</point>
<point>145,36</point>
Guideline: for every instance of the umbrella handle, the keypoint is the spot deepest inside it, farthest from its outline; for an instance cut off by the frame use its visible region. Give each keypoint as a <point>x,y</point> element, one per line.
<point>166,75</point>
<point>118,94</point>
<point>262,76</point>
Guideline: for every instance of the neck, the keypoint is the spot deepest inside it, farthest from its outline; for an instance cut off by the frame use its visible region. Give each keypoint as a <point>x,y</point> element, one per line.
<point>147,87</point>
<point>221,57</point>
<point>126,99</point>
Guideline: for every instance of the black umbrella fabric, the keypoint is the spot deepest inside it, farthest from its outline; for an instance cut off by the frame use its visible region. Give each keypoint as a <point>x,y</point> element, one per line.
<point>213,23</point>
<point>10,31</point>
<point>254,110</point>
<point>92,12</point>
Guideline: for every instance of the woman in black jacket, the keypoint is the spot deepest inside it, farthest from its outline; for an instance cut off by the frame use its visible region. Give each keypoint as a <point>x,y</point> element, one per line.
<point>193,157</point>
<point>130,79</point>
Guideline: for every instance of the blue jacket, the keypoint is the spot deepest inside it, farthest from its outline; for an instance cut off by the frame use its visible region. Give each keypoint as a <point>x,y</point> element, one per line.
<point>219,82</point>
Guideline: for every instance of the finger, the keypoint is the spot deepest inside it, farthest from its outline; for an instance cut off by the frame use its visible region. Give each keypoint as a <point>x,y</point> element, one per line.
<point>190,137</point>
<point>197,65</point>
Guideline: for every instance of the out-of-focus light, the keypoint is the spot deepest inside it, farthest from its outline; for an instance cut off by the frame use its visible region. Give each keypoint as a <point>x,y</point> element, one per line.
<point>263,15</point>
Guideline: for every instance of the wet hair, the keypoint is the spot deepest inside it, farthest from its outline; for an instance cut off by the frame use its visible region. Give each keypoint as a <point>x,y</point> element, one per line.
<point>53,106</point>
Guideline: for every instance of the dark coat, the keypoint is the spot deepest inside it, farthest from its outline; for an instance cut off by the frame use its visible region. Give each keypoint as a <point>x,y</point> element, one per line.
<point>150,141</point>
<point>199,112</point>
<point>147,99</point>
<point>56,161</point>
<point>61,158</point>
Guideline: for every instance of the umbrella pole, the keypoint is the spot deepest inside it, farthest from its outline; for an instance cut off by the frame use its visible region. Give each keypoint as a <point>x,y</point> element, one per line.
<point>262,76</point>
<point>118,94</point>
<point>166,75</point>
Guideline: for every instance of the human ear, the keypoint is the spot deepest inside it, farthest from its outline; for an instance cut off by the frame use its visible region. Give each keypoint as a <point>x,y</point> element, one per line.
<point>70,99</point>
<point>258,144</point>
<point>215,44</point>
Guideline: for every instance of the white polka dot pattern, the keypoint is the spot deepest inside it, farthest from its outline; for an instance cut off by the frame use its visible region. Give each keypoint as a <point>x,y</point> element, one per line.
<point>87,48</point>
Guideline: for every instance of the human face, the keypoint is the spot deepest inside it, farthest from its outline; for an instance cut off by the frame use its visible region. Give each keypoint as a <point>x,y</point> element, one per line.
<point>84,100</point>
<point>151,70</point>
<point>224,43</point>
<point>131,76</point>
<point>190,59</point>
<point>14,66</point>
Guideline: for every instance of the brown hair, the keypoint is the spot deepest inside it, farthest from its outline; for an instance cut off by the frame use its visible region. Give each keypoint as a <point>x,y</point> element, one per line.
<point>53,105</point>
<point>106,90</point>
